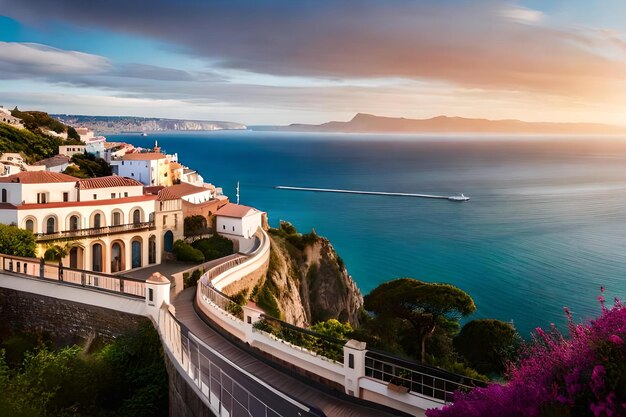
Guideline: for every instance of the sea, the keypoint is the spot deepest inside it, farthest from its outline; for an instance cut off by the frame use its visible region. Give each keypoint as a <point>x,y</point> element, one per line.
<point>545,227</point>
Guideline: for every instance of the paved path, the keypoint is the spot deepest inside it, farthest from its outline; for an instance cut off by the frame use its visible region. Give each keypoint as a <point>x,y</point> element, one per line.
<point>331,405</point>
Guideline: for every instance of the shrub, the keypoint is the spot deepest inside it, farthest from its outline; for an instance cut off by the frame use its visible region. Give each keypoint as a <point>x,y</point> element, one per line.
<point>267,301</point>
<point>186,253</point>
<point>195,225</point>
<point>580,375</point>
<point>487,345</point>
<point>214,247</point>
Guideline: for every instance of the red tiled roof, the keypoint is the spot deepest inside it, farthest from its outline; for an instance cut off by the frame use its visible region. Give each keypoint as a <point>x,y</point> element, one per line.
<point>108,202</point>
<point>153,189</point>
<point>145,156</point>
<point>107,182</point>
<point>236,210</point>
<point>180,190</point>
<point>38,177</point>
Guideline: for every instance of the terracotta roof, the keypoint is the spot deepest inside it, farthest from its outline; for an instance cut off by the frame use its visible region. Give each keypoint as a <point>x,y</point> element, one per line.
<point>107,182</point>
<point>145,156</point>
<point>54,161</point>
<point>108,202</point>
<point>236,210</point>
<point>38,177</point>
<point>180,190</point>
<point>152,189</point>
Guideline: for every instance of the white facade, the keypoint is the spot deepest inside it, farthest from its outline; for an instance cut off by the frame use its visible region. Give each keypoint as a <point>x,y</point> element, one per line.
<point>144,171</point>
<point>96,146</point>
<point>107,223</point>
<point>239,223</point>
<point>71,150</point>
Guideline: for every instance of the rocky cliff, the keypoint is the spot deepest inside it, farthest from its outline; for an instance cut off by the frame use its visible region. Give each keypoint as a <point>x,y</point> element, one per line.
<point>307,281</point>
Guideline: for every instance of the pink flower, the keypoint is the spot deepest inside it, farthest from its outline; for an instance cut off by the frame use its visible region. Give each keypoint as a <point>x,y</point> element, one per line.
<point>616,339</point>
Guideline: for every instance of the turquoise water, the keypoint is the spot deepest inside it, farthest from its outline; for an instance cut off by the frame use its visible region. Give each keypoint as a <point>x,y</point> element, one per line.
<point>544,229</point>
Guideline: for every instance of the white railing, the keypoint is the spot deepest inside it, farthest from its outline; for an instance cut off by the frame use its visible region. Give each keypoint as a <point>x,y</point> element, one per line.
<point>220,383</point>
<point>35,267</point>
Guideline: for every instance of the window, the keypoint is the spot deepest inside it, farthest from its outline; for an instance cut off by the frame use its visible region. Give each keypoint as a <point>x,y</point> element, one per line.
<point>136,216</point>
<point>50,226</point>
<point>125,194</point>
<point>233,228</point>
<point>224,226</point>
<point>132,174</point>
<point>30,225</point>
<point>95,196</point>
<point>97,220</point>
<point>66,196</point>
<point>117,218</point>
<point>4,195</point>
<point>112,195</point>
<point>74,223</point>
<point>175,220</point>
<point>164,220</point>
<point>150,294</point>
<point>41,198</point>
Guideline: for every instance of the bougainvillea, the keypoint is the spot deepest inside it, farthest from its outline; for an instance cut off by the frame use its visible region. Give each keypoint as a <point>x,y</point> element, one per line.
<point>580,375</point>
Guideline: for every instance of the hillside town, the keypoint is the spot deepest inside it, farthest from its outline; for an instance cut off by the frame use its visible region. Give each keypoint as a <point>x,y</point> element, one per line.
<point>120,222</point>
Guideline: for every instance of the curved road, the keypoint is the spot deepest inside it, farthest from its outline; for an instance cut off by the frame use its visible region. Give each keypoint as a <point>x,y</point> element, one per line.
<point>331,405</point>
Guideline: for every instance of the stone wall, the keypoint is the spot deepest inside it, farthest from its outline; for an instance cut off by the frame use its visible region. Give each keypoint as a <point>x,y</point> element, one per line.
<point>248,282</point>
<point>66,321</point>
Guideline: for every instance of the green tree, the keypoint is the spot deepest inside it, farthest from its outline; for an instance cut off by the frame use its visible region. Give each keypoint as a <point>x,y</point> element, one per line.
<point>214,247</point>
<point>487,344</point>
<point>195,225</point>
<point>17,242</point>
<point>89,166</point>
<point>424,305</point>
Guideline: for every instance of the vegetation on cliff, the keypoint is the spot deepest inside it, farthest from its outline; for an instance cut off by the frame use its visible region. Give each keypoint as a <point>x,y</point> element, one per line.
<point>124,378</point>
<point>33,142</point>
<point>88,166</point>
<point>306,282</point>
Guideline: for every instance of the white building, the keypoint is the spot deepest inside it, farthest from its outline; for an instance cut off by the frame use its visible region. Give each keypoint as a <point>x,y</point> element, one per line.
<point>71,150</point>
<point>108,223</point>
<point>96,146</point>
<point>84,133</point>
<point>149,168</point>
<point>56,163</point>
<point>13,163</point>
<point>239,223</point>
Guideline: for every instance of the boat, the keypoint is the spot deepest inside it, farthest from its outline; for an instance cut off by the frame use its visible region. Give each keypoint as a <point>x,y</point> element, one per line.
<point>460,197</point>
<point>144,134</point>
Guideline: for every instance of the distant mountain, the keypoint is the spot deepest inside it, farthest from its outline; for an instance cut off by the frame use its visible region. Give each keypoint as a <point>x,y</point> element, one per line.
<point>131,124</point>
<point>367,123</point>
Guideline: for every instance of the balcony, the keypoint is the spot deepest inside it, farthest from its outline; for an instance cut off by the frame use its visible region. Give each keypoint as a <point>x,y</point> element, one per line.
<point>94,232</point>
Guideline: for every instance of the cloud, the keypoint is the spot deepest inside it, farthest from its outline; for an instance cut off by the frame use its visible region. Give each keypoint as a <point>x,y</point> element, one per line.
<point>474,44</point>
<point>522,14</point>
<point>31,59</point>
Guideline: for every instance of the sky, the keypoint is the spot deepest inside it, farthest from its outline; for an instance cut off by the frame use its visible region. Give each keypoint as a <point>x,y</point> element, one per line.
<point>311,61</point>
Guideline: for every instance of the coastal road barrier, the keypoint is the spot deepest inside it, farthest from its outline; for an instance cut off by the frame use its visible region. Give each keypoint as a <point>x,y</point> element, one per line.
<point>381,193</point>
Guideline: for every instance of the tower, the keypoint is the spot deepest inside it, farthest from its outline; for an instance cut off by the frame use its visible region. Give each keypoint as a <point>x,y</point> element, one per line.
<point>156,147</point>
<point>237,192</point>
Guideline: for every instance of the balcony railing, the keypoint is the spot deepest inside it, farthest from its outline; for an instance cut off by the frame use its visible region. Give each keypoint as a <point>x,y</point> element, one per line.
<point>94,231</point>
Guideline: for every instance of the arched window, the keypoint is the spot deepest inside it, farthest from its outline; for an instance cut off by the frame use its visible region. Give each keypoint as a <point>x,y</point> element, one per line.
<point>97,220</point>
<point>30,225</point>
<point>4,195</point>
<point>117,218</point>
<point>96,257</point>
<point>74,223</point>
<point>136,216</point>
<point>50,226</point>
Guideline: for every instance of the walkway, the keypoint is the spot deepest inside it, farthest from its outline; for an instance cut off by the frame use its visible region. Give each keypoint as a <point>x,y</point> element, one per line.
<point>332,406</point>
